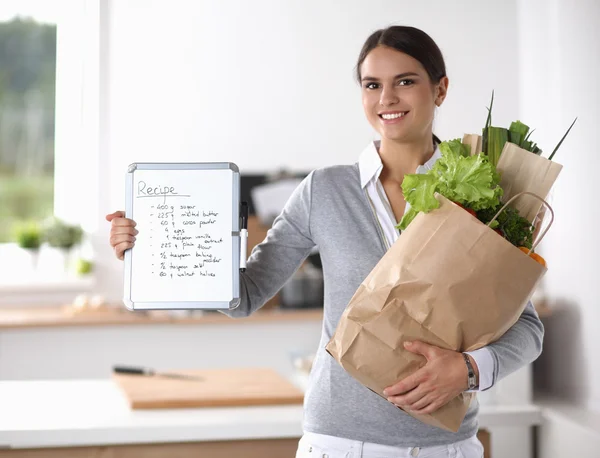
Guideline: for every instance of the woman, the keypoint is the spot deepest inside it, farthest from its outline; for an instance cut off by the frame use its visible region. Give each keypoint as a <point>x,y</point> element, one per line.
<point>349,212</point>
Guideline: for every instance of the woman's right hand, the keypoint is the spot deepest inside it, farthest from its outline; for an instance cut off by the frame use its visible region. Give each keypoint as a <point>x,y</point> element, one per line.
<point>122,233</point>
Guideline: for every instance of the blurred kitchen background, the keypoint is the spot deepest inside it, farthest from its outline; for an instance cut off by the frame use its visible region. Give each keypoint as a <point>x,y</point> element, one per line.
<point>90,86</point>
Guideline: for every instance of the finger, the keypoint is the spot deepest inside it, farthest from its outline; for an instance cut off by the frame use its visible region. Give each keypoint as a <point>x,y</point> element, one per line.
<point>421,403</point>
<point>409,398</point>
<point>117,214</point>
<point>121,238</point>
<point>421,348</point>
<point>405,385</point>
<point>123,222</point>
<point>427,410</point>
<point>129,230</point>
<point>121,248</point>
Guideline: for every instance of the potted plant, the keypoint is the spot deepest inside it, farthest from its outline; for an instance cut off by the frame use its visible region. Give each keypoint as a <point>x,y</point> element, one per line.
<point>63,236</point>
<point>28,236</point>
<point>83,266</point>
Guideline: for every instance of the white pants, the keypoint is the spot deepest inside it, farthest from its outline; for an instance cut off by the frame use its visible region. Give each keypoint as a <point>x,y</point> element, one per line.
<point>313,445</point>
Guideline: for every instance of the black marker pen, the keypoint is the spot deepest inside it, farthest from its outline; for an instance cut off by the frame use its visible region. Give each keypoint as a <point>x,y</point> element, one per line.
<point>244,237</point>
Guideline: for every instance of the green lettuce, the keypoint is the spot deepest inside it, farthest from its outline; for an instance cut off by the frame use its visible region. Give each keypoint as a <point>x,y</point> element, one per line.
<point>471,181</point>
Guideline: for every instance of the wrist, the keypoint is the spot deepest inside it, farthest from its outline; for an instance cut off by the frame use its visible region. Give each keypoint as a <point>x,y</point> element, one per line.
<point>472,371</point>
<point>475,367</point>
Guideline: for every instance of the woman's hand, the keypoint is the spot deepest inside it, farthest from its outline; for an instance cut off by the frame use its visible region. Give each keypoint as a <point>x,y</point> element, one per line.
<point>443,378</point>
<point>122,233</point>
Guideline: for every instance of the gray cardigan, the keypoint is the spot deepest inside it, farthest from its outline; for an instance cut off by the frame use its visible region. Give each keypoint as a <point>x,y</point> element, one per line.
<point>329,209</point>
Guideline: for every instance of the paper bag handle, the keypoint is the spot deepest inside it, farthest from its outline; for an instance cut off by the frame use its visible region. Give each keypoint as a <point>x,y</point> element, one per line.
<point>546,204</point>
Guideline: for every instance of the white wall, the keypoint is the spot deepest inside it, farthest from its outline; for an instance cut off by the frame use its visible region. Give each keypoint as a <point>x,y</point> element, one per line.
<point>560,50</point>
<point>269,84</point>
<point>568,431</point>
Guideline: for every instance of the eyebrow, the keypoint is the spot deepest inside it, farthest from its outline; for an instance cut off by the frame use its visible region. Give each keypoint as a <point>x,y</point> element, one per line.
<point>401,75</point>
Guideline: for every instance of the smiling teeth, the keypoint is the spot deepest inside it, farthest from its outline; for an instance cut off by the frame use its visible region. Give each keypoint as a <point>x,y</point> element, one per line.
<point>393,116</point>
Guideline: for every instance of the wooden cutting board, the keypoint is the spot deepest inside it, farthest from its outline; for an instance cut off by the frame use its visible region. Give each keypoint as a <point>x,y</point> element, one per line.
<point>218,387</point>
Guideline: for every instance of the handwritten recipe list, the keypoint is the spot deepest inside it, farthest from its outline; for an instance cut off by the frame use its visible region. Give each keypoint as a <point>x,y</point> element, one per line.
<point>184,244</point>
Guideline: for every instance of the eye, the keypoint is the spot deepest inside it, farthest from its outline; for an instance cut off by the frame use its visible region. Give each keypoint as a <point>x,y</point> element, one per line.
<point>371,86</point>
<point>407,82</point>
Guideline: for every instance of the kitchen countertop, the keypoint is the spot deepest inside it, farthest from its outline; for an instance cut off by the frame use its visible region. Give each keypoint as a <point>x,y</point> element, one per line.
<point>63,316</point>
<point>36,414</point>
<point>32,317</point>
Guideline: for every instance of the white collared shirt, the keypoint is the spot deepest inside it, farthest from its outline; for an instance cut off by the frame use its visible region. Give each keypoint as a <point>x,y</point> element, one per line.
<point>370,167</point>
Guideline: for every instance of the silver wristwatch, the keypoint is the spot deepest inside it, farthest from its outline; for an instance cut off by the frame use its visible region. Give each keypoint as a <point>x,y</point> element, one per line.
<point>472,379</point>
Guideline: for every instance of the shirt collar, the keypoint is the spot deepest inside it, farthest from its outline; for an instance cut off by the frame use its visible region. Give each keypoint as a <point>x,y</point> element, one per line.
<point>370,164</point>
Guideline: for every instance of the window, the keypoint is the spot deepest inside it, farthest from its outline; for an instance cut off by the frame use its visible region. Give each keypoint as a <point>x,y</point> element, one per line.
<point>49,53</point>
<point>27,107</point>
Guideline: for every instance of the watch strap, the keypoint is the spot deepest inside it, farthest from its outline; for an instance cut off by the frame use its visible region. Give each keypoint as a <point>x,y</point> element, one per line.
<point>472,379</point>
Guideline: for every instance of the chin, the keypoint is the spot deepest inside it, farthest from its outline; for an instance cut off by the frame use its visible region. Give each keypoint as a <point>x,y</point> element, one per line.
<point>400,136</point>
<point>404,135</point>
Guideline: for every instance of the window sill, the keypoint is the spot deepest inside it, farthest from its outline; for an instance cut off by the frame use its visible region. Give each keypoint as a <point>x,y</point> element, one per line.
<point>38,284</point>
<point>28,278</point>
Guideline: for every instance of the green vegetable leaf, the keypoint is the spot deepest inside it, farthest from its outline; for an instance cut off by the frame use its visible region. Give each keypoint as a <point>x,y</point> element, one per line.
<point>456,147</point>
<point>516,229</point>
<point>419,191</point>
<point>497,138</point>
<point>494,225</point>
<point>529,134</point>
<point>562,140</point>
<point>407,218</point>
<point>469,180</point>
<point>515,137</point>
<point>488,124</point>
<point>517,133</point>
<point>519,128</point>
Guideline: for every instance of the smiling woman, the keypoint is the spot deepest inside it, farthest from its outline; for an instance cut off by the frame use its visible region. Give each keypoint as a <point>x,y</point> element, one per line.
<point>403,79</point>
<point>350,212</point>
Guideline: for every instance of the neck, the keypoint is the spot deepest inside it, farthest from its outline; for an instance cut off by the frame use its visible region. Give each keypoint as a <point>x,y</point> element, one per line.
<point>400,159</point>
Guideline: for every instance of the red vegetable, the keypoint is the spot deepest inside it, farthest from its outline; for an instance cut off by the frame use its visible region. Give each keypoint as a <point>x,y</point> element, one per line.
<point>469,210</point>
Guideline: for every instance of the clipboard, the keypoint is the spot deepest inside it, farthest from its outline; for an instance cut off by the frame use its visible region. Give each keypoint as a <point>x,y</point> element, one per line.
<point>190,248</point>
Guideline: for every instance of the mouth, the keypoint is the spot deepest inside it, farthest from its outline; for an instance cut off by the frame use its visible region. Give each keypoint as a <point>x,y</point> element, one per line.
<point>392,116</point>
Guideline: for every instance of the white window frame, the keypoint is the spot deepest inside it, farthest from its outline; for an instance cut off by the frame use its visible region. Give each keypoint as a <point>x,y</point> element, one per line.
<point>80,82</point>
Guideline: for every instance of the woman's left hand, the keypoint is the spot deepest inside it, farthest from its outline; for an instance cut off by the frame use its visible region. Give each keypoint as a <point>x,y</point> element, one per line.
<point>443,378</point>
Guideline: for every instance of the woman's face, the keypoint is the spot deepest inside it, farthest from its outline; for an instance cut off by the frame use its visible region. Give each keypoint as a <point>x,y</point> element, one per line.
<point>398,96</point>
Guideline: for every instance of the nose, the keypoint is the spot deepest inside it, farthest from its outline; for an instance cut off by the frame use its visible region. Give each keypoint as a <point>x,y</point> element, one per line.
<point>388,97</point>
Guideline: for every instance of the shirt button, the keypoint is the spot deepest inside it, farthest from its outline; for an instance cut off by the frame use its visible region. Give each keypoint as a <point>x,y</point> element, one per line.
<point>415,451</point>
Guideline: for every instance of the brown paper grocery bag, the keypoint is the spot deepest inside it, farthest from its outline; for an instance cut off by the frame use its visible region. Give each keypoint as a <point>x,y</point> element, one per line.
<point>448,280</point>
<point>474,141</point>
<point>522,170</point>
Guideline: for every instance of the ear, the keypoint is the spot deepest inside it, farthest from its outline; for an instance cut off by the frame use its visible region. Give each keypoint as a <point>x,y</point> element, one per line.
<point>441,90</point>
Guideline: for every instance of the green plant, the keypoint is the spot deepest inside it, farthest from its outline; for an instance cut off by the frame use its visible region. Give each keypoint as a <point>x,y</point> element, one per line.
<point>59,234</point>
<point>24,199</point>
<point>84,266</point>
<point>28,235</point>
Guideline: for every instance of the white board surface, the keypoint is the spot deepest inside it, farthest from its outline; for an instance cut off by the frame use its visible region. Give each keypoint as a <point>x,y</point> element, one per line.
<point>186,254</point>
